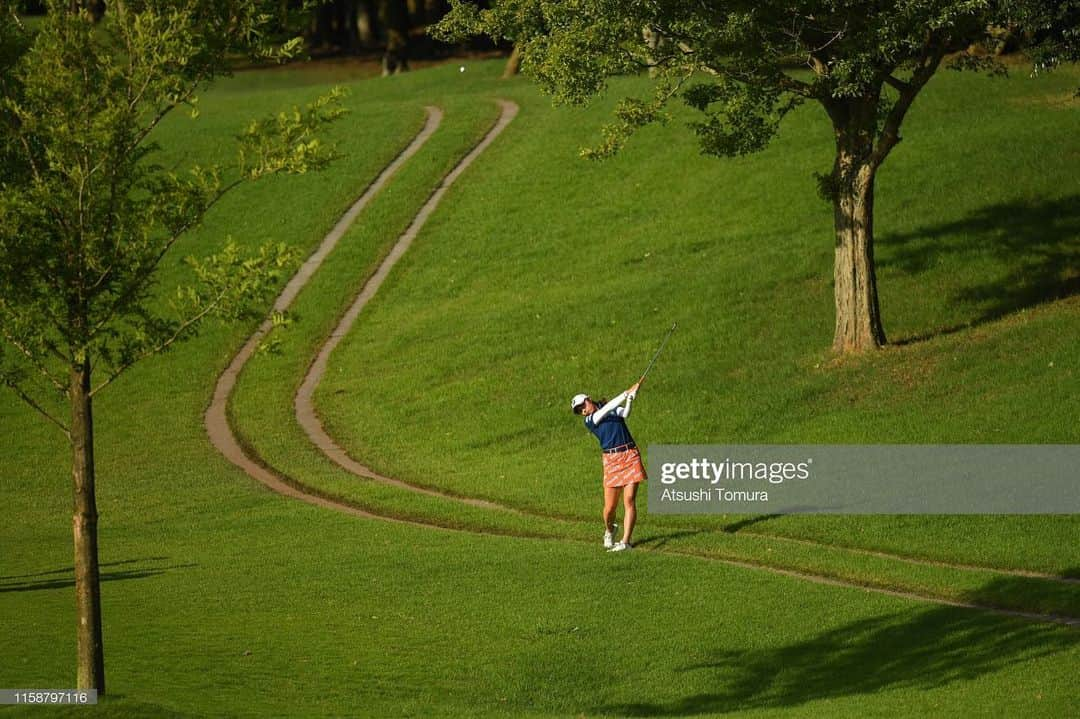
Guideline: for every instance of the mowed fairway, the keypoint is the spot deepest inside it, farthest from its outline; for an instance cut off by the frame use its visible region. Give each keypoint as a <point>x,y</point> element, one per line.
<point>222,599</point>
<point>468,359</point>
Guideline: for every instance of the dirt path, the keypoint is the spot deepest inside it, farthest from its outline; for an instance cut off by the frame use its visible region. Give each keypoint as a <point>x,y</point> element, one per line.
<point>305,409</point>
<point>222,436</point>
<point>217,423</point>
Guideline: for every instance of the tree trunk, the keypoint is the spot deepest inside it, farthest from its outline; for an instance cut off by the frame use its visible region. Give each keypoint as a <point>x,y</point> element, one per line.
<point>91,655</point>
<point>367,26</point>
<point>348,39</point>
<point>513,63</point>
<point>653,40</point>
<point>858,315</point>
<point>417,13</point>
<point>322,27</point>
<point>394,15</point>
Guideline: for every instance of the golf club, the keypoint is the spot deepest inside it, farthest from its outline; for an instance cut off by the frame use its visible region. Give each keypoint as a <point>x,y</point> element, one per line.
<point>658,351</point>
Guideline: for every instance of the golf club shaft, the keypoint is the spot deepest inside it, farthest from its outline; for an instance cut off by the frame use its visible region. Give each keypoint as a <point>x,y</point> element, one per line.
<point>658,351</point>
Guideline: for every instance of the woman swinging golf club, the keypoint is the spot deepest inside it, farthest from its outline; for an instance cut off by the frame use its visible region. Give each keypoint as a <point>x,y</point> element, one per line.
<point>622,460</point>
<point>623,470</point>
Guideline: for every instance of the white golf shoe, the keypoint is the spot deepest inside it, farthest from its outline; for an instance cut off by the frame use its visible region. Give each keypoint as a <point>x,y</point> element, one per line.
<point>609,540</point>
<point>620,547</point>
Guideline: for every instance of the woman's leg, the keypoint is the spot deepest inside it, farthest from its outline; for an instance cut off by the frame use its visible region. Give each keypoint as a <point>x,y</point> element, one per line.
<point>629,494</point>
<point>611,501</point>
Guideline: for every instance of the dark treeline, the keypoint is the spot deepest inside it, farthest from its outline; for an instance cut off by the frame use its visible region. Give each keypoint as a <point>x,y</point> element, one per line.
<point>397,27</point>
<point>396,30</point>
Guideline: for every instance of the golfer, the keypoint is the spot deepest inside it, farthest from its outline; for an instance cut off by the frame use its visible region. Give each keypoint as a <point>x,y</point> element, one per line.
<point>622,460</point>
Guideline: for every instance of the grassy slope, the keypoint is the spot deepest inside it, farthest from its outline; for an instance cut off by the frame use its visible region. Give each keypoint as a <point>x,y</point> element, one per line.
<point>262,406</point>
<point>221,599</point>
<point>494,319</point>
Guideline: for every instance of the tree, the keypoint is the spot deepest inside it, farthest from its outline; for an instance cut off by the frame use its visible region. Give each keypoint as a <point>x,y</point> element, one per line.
<point>87,216</point>
<point>513,64</point>
<point>394,15</point>
<point>1053,30</point>
<point>744,66</point>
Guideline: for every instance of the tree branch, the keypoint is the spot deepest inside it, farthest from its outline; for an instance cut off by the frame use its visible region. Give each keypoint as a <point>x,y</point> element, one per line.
<point>137,281</point>
<point>798,87</point>
<point>34,361</point>
<point>666,59</point>
<point>29,154</point>
<point>30,401</point>
<point>160,115</point>
<point>836,36</point>
<point>897,83</point>
<point>814,63</point>
<point>932,53</point>
<point>16,125</point>
<point>194,319</point>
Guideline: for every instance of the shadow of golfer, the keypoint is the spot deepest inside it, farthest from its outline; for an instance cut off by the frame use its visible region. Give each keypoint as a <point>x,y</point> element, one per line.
<point>734,527</point>
<point>659,540</point>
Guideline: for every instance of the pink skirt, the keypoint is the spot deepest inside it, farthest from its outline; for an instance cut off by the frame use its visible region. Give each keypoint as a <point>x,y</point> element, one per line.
<point>623,468</point>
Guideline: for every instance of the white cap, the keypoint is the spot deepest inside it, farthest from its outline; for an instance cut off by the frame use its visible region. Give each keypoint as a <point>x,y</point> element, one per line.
<point>577,401</point>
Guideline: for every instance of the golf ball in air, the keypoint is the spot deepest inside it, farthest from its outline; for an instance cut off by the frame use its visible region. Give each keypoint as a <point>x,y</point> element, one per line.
<point>461,69</point>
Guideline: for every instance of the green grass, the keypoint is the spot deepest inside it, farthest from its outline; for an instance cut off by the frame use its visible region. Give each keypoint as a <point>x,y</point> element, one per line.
<point>222,599</point>
<point>299,611</point>
<point>495,318</point>
<point>262,409</point>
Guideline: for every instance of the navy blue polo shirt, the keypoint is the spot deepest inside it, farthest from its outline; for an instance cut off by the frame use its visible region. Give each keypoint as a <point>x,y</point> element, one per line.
<point>611,431</point>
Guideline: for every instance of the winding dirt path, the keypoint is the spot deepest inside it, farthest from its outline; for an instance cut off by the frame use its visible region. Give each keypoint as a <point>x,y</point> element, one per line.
<point>305,408</point>
<point>223,438</point>
<point>216,418</point>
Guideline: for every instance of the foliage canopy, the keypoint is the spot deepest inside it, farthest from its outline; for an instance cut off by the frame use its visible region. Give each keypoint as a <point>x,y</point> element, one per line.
<point>87,210</point>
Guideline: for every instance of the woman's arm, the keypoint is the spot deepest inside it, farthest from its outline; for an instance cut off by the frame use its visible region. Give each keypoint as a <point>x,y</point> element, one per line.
<point>599,414</point>
<point>631,395</point>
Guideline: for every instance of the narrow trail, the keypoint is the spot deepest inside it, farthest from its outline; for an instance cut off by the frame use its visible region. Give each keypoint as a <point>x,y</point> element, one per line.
<point>216,419</point>
<point>224,439</point>
<point>305,408</point>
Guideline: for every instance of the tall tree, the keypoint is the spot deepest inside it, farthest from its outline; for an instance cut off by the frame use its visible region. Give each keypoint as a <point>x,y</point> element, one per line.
<point>394,15</point>
<point>87,215</point>
<point>744,66</point>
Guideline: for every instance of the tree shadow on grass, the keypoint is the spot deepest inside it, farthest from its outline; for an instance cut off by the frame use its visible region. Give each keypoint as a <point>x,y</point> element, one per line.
<point>1038,242</point>
<point>69,570</point>
<point>917,649</point>
<point>1058,597</point>
<point>63,578</point>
